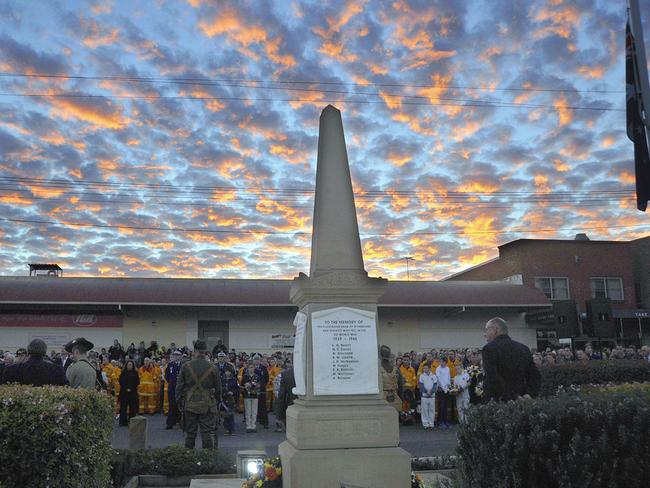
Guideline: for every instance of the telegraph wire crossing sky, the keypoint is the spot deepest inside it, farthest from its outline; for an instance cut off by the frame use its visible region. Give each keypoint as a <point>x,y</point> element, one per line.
<point>179,138</point>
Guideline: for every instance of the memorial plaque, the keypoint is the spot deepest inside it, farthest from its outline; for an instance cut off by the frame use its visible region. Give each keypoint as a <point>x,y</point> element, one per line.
<point>299,358</point>
<point>345,352</point>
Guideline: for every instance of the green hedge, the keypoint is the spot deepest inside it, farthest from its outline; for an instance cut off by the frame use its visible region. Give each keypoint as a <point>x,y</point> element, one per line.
<point>592,372</point>
<point>54,437</point>
<point>169,461</point>
<point>588,441</point>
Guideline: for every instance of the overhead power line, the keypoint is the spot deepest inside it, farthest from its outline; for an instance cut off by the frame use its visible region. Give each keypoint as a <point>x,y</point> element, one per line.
<point>471,103</point>
<point>300,232</point>
<point>54,182</point>
<point>218,82</point>
<point>213,203</point>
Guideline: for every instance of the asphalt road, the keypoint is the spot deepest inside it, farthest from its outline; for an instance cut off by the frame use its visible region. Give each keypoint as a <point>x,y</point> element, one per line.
<point>413,438</point>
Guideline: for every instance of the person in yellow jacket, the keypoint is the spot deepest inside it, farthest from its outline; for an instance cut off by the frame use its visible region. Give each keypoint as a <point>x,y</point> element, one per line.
<point>410,383</point>
<point>274,371</point>
<point>107,368</point>
<point>147,388</point>
<point>157,381</point>
<point>114,383</point>
<point>240,377</point>
<point>428,359</point>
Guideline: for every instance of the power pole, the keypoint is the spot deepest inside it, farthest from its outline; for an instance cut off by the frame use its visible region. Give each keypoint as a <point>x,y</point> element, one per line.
<point>408,258</point>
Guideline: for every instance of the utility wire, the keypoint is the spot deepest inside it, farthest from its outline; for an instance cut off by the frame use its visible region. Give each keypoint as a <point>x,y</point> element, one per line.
<point>299,232</point>
<point>291,201</point>
<point>475,205</point>
<point>208,82</point>
<point>257,189</point>
<point>354,93</point>
<point>306,100</point>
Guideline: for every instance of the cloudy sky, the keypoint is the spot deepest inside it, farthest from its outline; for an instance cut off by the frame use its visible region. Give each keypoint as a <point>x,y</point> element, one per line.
<point>178,138</point>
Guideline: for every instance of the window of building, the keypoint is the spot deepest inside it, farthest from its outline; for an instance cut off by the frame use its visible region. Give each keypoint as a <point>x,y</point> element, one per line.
<point>553,288</point>
<point>611,288</point>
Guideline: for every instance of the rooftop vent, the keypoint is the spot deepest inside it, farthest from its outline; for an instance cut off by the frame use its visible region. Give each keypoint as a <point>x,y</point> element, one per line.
<point>582,237</point>
<point>45,270</point>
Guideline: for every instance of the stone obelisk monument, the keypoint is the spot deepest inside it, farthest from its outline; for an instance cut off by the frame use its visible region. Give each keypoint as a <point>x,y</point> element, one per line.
<point>340,431</point>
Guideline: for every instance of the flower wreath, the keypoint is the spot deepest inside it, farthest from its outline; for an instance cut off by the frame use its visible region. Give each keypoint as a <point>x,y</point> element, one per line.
<point>416,481</point>
<point>270,476</point>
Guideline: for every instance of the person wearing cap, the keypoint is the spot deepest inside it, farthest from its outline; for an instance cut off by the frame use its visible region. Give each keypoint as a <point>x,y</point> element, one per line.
<point>80,374</point>
<point>171,377</point>
<point>263,373</point>
<point>222,366</point>
<point>35,370</point>
<point>198,391</point>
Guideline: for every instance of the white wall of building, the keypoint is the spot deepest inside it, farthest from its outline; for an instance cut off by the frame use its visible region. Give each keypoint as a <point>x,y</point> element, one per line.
<point>12,338</point>
<point>422,329</point>
<point>250,329</point>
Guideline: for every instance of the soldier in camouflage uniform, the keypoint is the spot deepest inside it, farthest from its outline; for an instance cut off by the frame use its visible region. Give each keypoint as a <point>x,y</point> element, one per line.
<point>198,392</point>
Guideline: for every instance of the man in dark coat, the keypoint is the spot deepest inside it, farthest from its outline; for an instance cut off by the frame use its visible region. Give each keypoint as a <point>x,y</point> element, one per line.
<point>171,377</point>
<point>222,366</point>
<point>198,390</point>
<point>509,369</point>
<point>35,370</point>
<point>285,396</point>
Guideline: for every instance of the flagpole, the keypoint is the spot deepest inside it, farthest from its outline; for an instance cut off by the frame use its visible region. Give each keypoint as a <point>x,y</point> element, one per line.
<point>641,61</point>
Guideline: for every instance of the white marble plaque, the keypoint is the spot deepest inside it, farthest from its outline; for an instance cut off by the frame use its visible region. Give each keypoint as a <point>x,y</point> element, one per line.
<point>299,358</point>
<point>345,352</point>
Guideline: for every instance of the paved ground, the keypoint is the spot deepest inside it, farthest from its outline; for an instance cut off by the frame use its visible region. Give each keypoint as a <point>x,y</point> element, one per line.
<point>417,441</point>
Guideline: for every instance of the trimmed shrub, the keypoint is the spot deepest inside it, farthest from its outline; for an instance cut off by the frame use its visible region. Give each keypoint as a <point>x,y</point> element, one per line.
<point>168,461</point>
<point>435,463</point>
<point>587,441</point>
<point>592,372</point>
<point>54,437</point>
<point>622,388</point>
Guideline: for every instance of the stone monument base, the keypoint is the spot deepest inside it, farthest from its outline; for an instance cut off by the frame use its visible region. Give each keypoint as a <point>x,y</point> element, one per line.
<point>342,424</point>
<point>382,467</point>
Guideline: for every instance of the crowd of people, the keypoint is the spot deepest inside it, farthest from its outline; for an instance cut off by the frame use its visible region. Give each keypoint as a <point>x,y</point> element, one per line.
<point>567,355</point>
<point>434,388</point>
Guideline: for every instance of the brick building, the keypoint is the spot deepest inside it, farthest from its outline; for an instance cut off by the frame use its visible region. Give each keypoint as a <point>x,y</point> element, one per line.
<point>599,289</point>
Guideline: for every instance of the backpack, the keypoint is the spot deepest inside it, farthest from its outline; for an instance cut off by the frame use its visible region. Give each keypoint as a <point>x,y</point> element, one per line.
<point>199,399</point>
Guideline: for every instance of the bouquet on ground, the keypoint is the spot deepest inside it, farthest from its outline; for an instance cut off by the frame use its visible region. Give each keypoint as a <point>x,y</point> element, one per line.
<point>416,481</point>
<point>269,475</point>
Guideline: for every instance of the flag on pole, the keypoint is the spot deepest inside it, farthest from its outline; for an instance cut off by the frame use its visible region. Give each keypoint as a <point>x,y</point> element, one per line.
<point>635,128</point>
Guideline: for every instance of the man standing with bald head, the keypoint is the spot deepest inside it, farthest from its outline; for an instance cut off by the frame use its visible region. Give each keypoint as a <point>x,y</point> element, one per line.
<point>510,372</point>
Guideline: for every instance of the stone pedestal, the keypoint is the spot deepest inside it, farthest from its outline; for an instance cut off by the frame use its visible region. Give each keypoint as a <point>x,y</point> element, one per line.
<point>138,432</point>
<point>388,467</point>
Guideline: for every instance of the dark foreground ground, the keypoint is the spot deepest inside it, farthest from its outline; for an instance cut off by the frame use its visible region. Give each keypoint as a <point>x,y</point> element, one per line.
<point>413,438</point>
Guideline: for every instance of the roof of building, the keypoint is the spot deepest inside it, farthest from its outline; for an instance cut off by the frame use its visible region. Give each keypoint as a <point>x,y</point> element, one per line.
<point>45,267</point>
<point>581,242</point>
<point>206,292</point>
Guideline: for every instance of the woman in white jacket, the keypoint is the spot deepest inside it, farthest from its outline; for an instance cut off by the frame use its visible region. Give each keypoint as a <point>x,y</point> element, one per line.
<point>461,380</point>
